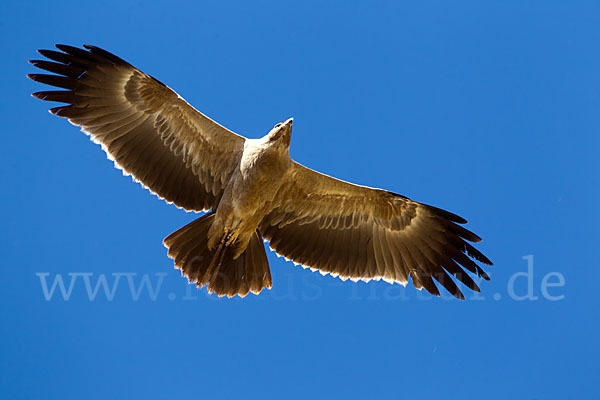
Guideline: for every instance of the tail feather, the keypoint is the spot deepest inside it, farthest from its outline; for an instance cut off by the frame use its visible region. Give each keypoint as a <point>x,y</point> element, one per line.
<point>216,267</point>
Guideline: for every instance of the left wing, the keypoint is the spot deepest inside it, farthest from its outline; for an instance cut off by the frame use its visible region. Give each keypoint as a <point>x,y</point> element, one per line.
<point>145,127</point>
<point>362,233</point>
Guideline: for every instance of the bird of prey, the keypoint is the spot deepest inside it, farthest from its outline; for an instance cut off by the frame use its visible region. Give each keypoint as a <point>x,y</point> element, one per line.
<point>252,189</point>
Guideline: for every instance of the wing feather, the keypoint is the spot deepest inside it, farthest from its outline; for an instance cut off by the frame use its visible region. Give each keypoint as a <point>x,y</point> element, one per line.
<point>145,127</point>
<point>362,233</point>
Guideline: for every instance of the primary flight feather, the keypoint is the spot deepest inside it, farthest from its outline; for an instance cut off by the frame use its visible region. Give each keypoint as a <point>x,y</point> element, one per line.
<point>253,189</point>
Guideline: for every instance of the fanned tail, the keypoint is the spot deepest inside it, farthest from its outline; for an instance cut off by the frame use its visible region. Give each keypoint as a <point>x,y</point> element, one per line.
<point>216,267</point>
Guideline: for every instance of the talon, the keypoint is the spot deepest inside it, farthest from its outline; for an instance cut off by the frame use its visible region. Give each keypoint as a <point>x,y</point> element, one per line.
<point>225,237</point>
<point>231,238</point>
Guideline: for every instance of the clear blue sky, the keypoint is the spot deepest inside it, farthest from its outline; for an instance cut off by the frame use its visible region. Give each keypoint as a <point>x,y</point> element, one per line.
<point>488,109</point>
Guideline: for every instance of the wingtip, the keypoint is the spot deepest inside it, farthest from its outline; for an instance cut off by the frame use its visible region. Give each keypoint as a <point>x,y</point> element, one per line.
<point>447,214</point>
<point>484,275</point>
<point>475,238</point>
<point>65,48</point>
<point>36,77</point>
<point>44,52</point>
<point>55,110</point>
<point>457,218</point>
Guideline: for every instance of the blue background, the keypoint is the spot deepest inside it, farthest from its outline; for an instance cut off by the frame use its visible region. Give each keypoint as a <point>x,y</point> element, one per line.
<point>488,109</point>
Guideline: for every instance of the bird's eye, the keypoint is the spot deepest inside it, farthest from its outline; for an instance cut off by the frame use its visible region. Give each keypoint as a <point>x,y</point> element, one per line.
<point>278,125</point>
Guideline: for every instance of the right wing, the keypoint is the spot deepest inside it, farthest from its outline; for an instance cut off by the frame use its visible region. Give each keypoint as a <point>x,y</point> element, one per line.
<point>357,232</point>
<point>145,127</point>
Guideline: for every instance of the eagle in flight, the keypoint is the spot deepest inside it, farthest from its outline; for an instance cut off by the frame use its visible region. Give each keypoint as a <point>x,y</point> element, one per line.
<point>252,189</point>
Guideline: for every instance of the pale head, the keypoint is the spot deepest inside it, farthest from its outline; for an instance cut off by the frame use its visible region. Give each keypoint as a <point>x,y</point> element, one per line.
<point>281,134</point>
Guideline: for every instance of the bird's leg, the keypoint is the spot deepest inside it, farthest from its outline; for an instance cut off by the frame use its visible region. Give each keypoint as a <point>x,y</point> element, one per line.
<point>232,233</point>
<point>238,239</point>
<point>241,244</point>
<point>230,238</point>
<point>218,231</point>
<point>225,230</point>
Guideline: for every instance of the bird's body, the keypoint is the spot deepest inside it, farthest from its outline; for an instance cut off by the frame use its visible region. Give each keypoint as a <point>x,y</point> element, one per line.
<point>249,194</point>
<point>252,189</point>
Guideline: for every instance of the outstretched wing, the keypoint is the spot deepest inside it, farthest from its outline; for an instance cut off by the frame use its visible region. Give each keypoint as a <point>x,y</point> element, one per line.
<point>362,233</point>
<point>146,128</point>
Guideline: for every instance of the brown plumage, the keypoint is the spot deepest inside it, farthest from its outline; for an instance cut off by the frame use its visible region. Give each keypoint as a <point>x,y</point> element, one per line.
<point>253,189</point>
